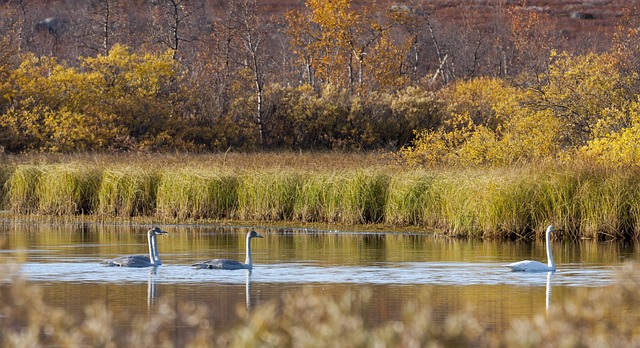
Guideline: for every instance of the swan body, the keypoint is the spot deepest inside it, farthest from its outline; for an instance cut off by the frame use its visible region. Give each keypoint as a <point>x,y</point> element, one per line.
<point>535,266</point>
<point>231,264</point>
<point>140,260</point>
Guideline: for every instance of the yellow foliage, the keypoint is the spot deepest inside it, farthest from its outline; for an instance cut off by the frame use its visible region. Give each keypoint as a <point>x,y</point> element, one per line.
<point>488,101</point>
<point>435,147</point>
<point>619,147</point>
<point>345,47</point>
<point>57,108</point>
<point>578,90</point>
<point>530,135</point>
<point>488,124</point>
<point>122,73</point>
<point>385,62</point>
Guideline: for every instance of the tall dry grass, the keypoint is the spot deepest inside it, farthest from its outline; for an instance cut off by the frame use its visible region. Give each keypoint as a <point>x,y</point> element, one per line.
<point>513,202</point>
<point>67,189</point>
<point>193,193</point>
<point>127,192</point>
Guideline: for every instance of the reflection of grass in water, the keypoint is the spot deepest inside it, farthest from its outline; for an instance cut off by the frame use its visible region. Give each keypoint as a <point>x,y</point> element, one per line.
<point>310,318</point>
<point>514,202</point>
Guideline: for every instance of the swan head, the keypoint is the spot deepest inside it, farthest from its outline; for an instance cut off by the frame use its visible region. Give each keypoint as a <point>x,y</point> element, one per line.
<point>254,234</point>
<point>156,231</point>
<point>551,229</point>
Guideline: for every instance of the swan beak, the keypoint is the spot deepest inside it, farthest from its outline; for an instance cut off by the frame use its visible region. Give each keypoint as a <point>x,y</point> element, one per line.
<point>258,235</point>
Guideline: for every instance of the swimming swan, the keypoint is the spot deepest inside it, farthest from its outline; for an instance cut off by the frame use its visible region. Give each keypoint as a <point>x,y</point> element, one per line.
<point>231,264</point>
<point>535,266</point>
<point>140,260</point>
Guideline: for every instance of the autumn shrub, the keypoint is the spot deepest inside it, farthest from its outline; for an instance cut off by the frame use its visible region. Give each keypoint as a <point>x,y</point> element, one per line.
<point>333,118</point>
<point>582,91</point>
<point>618,149</point>
<point>487,101</point>
<point>486,122</point>
<point>24,128</point>
<point>287,117</point>
<point>59,108</point>
<point>329,118</point>
<point>615,138</point>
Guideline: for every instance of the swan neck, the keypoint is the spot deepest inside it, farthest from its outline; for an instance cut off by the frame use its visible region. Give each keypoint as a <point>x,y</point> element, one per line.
<point>155,248</point>
<point>550,262</point>
<point>154,256</point>
<point>248,260</point>
<point>151,249</point>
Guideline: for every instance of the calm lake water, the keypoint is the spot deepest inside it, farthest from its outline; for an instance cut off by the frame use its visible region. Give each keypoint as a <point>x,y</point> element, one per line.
<point>394,268</point>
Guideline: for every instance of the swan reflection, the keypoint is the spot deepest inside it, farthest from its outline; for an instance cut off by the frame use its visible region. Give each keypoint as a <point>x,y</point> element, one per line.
<point>247,290</point>
<point>548,290</point>
<point>151,287</point>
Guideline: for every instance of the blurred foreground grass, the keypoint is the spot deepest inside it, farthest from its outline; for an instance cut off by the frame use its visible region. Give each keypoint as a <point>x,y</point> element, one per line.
<point>310,319</point>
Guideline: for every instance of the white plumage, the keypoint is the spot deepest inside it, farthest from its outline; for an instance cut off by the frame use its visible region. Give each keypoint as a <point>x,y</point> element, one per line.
<point>535,266</point>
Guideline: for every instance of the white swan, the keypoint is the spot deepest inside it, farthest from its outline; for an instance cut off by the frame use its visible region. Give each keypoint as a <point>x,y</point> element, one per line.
<point>535,266</point>
<point>140,260</point>
<point>231,264</point>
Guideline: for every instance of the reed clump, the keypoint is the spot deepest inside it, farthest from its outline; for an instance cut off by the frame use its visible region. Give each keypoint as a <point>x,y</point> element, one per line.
<point>311,318</point>
<point>127,192</point>
<point>192,193</point>
<point>67,189</point>
<point>21,188</point>
<point>5,175</point>
<point>510,202</point>
<point>267,196</point>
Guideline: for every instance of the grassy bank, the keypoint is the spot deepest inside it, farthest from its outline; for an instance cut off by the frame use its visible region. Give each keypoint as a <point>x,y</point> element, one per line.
<point>313,319</point>
<point>516,202</point>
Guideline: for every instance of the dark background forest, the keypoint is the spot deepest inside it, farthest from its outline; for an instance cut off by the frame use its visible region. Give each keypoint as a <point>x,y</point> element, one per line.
<point>208,75</point>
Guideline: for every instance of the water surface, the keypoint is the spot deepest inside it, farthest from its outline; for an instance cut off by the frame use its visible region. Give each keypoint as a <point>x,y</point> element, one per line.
<point>393,268</point>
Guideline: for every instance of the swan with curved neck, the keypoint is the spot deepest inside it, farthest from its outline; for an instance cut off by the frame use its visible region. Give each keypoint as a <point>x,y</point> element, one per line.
<point>232,264</point>
<point>141,260</point>
<point>535,266</point>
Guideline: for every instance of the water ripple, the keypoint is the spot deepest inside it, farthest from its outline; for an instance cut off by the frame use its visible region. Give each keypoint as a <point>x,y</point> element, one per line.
<point>408,273</point>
